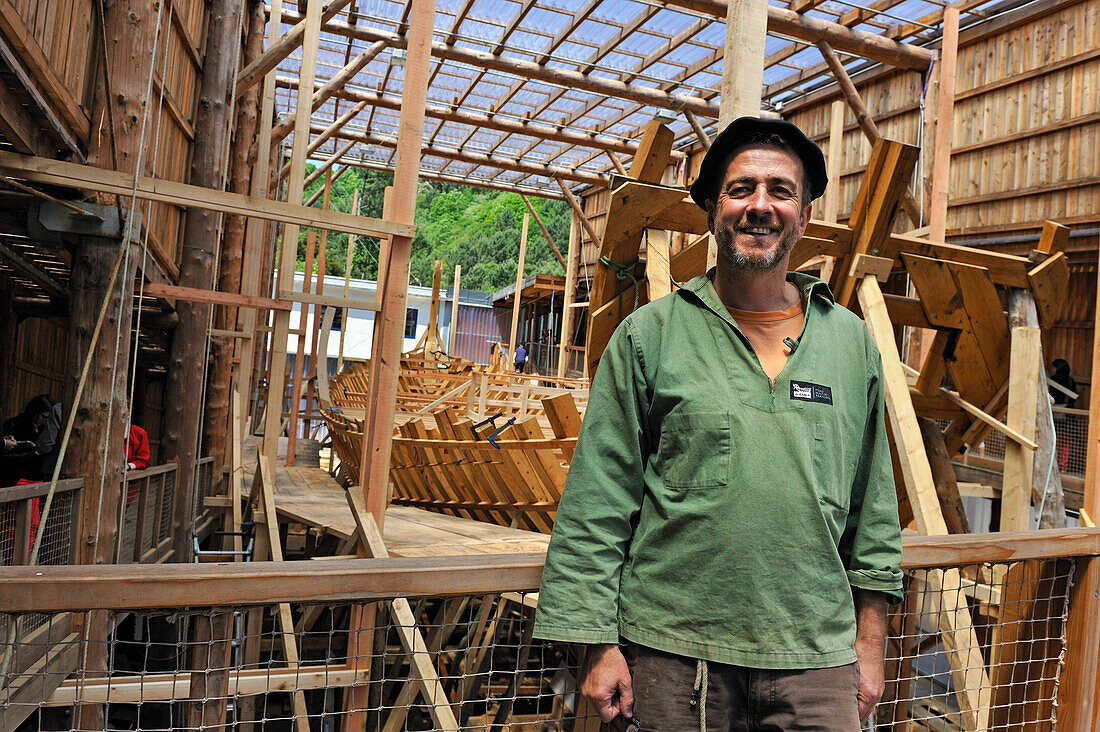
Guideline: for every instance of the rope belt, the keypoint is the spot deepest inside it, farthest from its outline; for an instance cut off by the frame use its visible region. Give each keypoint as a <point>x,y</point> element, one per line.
<point>699,692</point>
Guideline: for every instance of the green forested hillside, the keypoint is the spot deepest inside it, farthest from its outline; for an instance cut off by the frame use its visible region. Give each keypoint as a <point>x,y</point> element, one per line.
<point>474,227</point>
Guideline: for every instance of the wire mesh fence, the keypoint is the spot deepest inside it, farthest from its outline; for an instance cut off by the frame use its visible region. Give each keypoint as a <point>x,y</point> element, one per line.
<point>465,663</point>
<point>1071,428</point>
<point>972,647</point>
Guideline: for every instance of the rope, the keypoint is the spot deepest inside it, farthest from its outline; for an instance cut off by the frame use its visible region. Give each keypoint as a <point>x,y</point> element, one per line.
<point>699,692</point>
<point>623,272</point>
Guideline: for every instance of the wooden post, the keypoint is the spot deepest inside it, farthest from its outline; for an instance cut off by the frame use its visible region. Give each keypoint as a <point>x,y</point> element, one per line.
<point>456,290</point>
<point>831,203</point>
<point>512,334</point>
<point>542,228</point>
<point>386,355</point>
<point>183,408</point>
<point>231,260</point>
<point>289,249</point>
<point>255,278</point>
<point>1022,395</point>
<point>945,125</point>
<point>129,30</point>
<point>955,624</point>
<point>347,281</point>
<point>297,378</point>
<point>743,60</point>
<point>318,288</point>
<point>1080,684</point>
<point>570,286</point>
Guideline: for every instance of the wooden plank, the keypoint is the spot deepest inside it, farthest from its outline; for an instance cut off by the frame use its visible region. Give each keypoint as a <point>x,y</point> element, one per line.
<point>947,487</point>
<point>513,331</point>
<point>657,274</point>
<point>43,72</point>
<point>421,667</point>
<point>264,482</point>
<point>1022,398</point>
<point>149,688</point>
<point>944,125</point>
<point>652,156</point>
<point>332,301</point>
<point>1050,286</point>
<point>54,588</point>
<point>743,60</point>
<point>1054,238</point>
<point>876,205</point>
<point>193,294</point>
<point>954,621</point>
<point>88,177</point>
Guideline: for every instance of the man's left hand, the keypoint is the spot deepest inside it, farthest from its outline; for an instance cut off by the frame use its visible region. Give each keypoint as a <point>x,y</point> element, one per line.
<point>870,649</point>
<point>872,680</point>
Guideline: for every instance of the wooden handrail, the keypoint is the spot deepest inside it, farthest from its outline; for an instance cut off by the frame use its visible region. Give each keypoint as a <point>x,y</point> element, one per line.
<point>127,587</point>
<point>10,494</point>
<point>133,586</point>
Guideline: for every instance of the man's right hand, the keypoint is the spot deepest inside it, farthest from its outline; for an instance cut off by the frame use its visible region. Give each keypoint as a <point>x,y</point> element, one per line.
<point>606,682</point>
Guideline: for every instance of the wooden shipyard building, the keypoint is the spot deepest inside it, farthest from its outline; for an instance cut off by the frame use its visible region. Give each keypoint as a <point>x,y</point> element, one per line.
<point>360,546</point>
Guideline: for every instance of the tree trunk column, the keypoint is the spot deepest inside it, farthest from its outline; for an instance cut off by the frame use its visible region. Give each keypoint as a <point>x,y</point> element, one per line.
<point>187,358</point>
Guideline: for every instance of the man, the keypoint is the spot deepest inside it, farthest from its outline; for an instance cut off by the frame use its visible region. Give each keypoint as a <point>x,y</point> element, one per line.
<point>730,514</point>
<point>520,358</point>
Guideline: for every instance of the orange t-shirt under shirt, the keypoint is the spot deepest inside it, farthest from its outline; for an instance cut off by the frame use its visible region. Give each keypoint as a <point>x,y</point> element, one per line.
<point>766,331</point>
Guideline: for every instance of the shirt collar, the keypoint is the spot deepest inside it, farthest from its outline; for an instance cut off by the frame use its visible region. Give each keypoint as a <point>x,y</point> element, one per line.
<point>703,288</point>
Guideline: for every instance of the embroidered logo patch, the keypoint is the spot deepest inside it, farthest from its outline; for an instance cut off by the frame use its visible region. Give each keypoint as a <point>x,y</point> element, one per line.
<point>804,391</point>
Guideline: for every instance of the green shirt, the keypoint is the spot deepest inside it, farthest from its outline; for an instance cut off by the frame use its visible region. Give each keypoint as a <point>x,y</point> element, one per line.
<point>710,514</point>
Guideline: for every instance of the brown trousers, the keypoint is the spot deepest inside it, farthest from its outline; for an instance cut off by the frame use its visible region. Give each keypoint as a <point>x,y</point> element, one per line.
<point>669,696</point>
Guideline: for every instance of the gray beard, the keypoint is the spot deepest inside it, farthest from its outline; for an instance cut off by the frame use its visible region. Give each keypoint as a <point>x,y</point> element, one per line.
<point>741,262</point>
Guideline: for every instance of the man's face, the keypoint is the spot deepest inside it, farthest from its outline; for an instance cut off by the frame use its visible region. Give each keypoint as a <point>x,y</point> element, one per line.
<point>758,216</point>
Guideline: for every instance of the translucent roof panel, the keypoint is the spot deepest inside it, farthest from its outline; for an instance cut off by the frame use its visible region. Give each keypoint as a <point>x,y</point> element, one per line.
<point>520,90</point>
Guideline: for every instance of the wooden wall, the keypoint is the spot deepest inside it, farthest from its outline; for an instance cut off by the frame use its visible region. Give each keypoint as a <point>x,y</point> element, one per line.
<point>1026,129</point>
<point>56,39</point>
<point>41,350</point>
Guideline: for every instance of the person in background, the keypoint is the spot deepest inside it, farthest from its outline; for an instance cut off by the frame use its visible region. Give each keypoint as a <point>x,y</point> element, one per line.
<point>22,460</point>
<point>520,358</point>
<point>1063,423</point>
<point>137,449</point>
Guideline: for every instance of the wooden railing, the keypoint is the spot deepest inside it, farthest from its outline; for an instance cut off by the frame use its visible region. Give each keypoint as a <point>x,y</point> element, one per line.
<point>1019,583</point>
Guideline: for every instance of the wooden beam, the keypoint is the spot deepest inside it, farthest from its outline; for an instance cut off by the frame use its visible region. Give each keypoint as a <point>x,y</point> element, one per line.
<point>864,120</point>
<point>542,228</point>
<point>192,294</point>
<point>1022,398</point>
<point>513,331</point>
<point>281,48</point>
<point>421,666</point>
<point>567,314</point>
<point>786,22</point>
<point>530,128</point>
<point>579,213</point>
<point>92,178</point>
<point>149,688</point>
<point>514,66</point>
<point>700,133</point>
<point>955,624</point>
<point>326,166</point>
<point>315,144</point>
<point>394,259</point>
<point>743,59</point>
<point>452,329</point>
<point>329,88</point>
<point>945,127</point>
<point>465,156</point>
<point>831,203</point>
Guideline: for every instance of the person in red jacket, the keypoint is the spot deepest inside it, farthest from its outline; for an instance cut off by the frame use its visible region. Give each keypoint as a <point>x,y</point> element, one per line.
<point>137,449</point>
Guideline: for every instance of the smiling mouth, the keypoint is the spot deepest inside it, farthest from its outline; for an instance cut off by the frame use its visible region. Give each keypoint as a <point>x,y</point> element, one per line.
<point>758,230</point>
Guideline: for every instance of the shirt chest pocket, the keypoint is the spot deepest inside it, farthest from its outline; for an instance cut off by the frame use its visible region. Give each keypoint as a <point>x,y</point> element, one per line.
<point>695,450</point>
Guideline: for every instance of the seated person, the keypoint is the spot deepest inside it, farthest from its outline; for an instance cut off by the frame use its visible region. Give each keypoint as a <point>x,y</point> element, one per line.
<point>22,460</point>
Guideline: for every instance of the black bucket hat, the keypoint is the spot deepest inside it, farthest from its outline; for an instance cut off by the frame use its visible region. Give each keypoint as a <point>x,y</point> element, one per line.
<point>747,128</point>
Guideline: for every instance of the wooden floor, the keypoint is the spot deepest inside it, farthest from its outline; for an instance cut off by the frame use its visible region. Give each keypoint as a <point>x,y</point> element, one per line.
<point>311,497</point>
